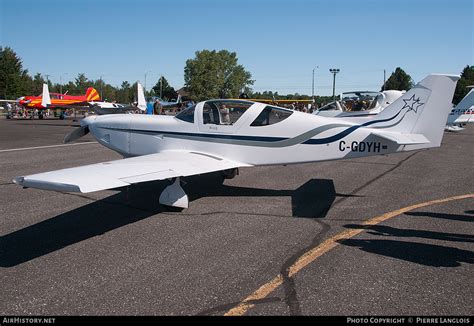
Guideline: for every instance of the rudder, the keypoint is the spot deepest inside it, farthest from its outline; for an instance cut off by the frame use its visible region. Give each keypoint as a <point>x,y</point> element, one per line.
<point>92,94</point>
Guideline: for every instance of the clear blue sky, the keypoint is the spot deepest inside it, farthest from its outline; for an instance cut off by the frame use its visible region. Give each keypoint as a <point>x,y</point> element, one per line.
<point>278,41</point>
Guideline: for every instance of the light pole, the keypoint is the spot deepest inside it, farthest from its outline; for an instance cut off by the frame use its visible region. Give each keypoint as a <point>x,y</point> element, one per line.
<point>312,89</point>
<point>161,87</point>
<point>334,72</point>
<point>61,82</point>
<point>144,87</point>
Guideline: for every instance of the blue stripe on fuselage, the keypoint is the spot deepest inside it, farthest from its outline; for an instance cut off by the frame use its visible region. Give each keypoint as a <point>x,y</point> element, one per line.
<point>311,141</point>
<point>190,134</point>
<point>346,132</point>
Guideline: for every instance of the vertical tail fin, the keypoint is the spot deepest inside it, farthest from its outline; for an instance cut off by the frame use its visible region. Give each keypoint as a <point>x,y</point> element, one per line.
<point>422,110</point>
<point>92,94</point>
<point>141,97</point>
<point>46,99</point>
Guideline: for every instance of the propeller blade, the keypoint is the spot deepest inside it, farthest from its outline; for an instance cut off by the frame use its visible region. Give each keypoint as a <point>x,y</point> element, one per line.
<point>76,134</point>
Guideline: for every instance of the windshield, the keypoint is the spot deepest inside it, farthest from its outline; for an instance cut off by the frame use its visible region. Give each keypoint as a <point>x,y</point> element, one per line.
<point>357,101</point>
<point>187,114</point>
<point>224,112</point>
<point>378,99</point>
<point>271,115</point>
<point>329,107</point>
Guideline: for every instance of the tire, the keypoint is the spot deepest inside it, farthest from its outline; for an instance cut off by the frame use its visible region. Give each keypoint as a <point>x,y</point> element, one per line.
<point>230,173</point>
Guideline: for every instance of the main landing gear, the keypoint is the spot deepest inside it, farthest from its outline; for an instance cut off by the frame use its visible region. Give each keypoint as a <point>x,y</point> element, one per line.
<point>174,196</point>
<point>230,173</point>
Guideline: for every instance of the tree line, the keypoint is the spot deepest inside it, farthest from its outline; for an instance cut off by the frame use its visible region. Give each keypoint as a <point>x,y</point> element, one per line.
<point>210,74</point>
<point>15,81</point>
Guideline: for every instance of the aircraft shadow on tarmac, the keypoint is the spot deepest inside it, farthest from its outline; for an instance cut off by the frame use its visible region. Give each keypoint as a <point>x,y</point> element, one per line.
<point>415,252</point>
<point>452,217</point>
<point>313,199</point>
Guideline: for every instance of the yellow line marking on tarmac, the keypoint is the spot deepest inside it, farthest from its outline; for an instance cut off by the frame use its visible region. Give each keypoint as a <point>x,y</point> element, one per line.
<point>311,255</point>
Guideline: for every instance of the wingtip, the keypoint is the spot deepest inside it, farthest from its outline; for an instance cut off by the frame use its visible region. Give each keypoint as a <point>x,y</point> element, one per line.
<point>18,181</point>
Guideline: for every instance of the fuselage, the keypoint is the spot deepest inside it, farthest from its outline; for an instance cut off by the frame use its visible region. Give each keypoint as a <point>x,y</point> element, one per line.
<point>291,137</point>
<point>59,100</point>
<point>461,116</point>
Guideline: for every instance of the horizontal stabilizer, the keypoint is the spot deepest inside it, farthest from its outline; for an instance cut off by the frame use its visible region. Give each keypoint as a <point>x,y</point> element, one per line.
<point>453,128</point>
<point>402,139</point>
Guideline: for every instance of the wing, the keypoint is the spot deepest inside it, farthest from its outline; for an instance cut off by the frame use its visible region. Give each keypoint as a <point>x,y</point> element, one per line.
<point>119,173</point>
<point>10,101</point>
<point>75,105</point>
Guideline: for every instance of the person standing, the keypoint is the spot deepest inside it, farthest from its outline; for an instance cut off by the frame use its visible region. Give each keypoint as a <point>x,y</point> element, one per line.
<point>225,113</point>
<point>158,108</point>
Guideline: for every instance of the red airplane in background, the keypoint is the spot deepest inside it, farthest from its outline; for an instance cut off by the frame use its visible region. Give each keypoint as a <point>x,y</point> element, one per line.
<point>59,100</point>
<point>56,101</point>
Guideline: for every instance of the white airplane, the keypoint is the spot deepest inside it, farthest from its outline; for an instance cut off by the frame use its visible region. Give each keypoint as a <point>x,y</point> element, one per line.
<point>200,140</point>
<point>340,109</point>
<point>165,104</point>
<point>462,113</point>
<point>102,108</point>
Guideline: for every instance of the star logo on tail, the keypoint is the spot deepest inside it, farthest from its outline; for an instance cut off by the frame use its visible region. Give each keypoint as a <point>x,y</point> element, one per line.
<point>412,104</point>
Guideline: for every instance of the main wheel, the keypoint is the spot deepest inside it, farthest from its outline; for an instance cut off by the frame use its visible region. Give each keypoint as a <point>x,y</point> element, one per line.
<point>230,173</point>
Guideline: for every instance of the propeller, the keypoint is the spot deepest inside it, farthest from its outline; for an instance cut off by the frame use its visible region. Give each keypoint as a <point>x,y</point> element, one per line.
<point>76,134</point>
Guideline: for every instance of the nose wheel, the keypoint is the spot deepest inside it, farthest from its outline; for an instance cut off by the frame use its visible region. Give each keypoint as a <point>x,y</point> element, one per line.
<point>174,196</point>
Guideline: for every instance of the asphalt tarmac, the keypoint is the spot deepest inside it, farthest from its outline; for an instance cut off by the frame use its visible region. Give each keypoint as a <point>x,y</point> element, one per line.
<point>308,239</point>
